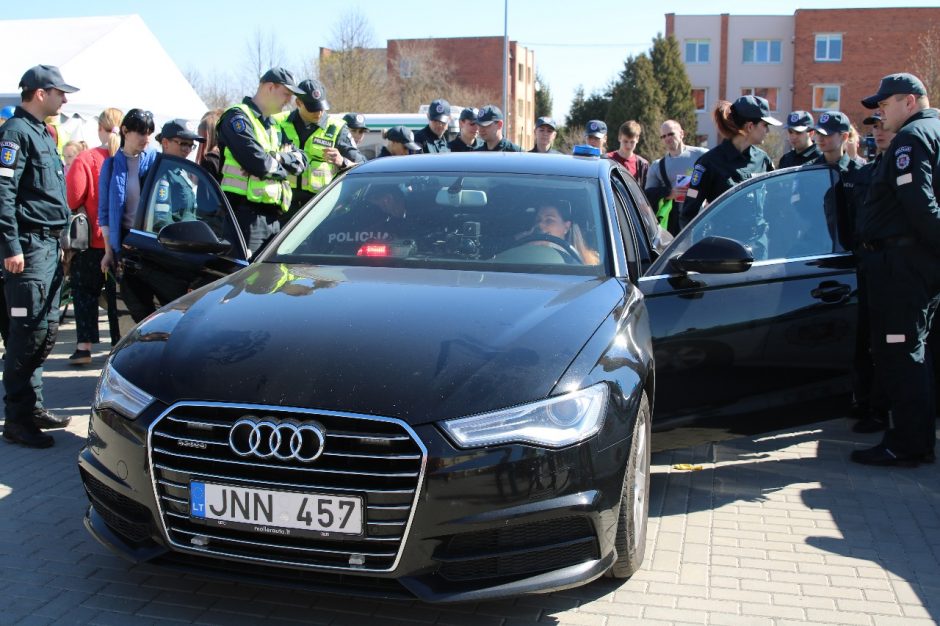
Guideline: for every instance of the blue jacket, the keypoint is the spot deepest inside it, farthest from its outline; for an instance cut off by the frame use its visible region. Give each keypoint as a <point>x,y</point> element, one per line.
<point>112,192</point>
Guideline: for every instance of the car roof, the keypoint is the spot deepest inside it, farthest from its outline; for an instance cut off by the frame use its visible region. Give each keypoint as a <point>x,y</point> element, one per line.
<point>469,163</point>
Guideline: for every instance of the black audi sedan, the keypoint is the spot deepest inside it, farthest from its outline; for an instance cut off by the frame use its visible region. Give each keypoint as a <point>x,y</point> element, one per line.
<point>437,383</point>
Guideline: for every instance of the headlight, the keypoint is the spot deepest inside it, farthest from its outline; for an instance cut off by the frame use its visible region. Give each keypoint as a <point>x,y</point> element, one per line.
<point>552,423</point>
<point>117,393</point>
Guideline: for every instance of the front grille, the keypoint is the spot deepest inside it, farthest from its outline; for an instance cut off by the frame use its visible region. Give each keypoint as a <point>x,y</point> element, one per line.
<point>523,549</point>
<point>126,517</point>
<point>378,459</point>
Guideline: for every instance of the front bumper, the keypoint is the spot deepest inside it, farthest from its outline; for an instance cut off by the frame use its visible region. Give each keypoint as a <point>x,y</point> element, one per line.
<point>483,523</point>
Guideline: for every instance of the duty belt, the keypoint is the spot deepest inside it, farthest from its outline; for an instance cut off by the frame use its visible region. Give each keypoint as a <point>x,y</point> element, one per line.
<point>42,231</point>
<point>899,241</point>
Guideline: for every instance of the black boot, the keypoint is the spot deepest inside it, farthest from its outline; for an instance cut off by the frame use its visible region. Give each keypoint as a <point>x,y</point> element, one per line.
<point>26,434</point>
<point>44,419</point>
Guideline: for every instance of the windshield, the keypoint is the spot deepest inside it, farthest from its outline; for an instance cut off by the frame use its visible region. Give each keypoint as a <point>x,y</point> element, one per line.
<point>497,222</point>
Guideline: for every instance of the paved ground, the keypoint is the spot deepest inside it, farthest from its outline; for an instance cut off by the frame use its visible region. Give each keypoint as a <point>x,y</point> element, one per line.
<point>777,529</point>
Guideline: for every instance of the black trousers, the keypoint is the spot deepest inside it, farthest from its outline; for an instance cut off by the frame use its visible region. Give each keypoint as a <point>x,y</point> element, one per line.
<point>32,298</point>
<point>258,222</point>
<point>904,293</point>
<point>86,281</point>
<point>867,388</point>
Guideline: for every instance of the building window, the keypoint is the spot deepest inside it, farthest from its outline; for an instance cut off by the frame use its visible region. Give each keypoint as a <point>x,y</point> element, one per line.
<point>700,97</point>
<point>406,67</point>
<point>768,93</point>
<point>829,47</point>
<point>520,75</point>
<point>761,51</point>
<point>696,50</point>
<point>826,97</point>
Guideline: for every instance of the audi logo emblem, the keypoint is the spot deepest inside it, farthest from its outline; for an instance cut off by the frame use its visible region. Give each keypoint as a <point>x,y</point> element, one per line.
<point>283,440</point>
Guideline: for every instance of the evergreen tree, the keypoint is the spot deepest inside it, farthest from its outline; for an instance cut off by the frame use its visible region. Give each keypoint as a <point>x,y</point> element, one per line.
<point>543,97</point>
<point>637,96</point>
<point>674,82</point>
<point>583,110</point>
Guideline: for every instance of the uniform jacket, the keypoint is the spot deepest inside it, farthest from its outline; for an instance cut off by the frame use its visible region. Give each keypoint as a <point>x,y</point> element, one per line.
<point>718,170</point>
<point>794,158</point>
<point>457,145</point>
<point>429,142</point>
<point>504,145</point>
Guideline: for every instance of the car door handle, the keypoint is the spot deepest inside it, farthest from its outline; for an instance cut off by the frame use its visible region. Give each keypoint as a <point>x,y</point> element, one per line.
<point>832,292</point>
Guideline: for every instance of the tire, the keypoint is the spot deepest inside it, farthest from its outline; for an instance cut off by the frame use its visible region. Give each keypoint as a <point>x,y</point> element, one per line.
<point>634,500</point>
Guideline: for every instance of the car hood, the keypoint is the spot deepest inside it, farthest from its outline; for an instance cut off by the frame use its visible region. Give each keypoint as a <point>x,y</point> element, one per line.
<point>415,344</point>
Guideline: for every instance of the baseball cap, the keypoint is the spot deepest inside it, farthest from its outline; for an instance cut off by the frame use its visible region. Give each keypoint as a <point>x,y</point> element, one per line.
<point>313,95</point>
<point>895,84</point>
<point>439,110</point>
<point>489,114</point>
<point>355,121</point>
<point>595,128</point>
<point>402,135</point>
<point>832,122</point>
<point>754,108</point>
<point>7,112</point>
<point>469,114</point>
<point>45,77</point>
<point>800,121</point>
<point>546,121</point>
<point>178,128</point>
<point>281,76</point>
<point>871,120</point>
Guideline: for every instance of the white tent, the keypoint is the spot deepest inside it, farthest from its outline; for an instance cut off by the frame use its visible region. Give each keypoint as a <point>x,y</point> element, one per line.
<point>114,61</point>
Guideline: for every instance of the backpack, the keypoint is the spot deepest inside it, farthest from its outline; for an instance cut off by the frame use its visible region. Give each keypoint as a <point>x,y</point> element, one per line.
<point>76,234</point>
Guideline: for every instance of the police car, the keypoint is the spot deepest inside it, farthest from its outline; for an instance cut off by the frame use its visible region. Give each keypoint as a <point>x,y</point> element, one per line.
<point>438,382</point>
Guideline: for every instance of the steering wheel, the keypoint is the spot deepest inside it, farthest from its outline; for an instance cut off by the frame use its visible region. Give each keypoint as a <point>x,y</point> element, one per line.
<point>568,252</point>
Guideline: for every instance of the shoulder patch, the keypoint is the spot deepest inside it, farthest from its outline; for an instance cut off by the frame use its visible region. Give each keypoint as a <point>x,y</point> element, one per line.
<point>903,161</point>
<point>902,150</point>
<point>163,191</point>
<point>697,172</point>
<point>8,153</point>
<point>239,124</point>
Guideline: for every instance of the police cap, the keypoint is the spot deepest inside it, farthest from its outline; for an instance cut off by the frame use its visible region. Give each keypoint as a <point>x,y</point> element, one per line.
<point>313,95</point>
<point>7,112</point>
<point>489,114</point>
<point>895,84</point>
<point>439,111</point>
<point>281,76</point>
<point>469,114</point>
<point>800,121</point>
<point>595,128</point>
<point>178,128</point>
<point>45,77</point>
<point>355,121</point>
<point>400,134</point>
<point>871,120</point>
<point>832,122</point>
<point>546,121</point>
<point>752,108</point>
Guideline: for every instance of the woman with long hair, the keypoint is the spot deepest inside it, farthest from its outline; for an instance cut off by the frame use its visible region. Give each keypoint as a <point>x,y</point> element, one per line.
<point>209,156</point>
<point>85,276</point>
<point>119,196</point>
<point>744,125</point>
<point>554,219</point>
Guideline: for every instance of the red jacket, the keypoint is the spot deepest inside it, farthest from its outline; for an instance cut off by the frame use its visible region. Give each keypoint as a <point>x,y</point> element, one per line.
<point>81,188</point>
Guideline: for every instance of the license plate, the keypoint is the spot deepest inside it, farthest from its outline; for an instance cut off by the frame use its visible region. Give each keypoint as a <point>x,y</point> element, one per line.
<point>274,512</point>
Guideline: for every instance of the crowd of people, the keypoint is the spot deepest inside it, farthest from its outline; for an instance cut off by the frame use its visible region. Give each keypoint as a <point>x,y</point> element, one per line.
<point>269,163</point>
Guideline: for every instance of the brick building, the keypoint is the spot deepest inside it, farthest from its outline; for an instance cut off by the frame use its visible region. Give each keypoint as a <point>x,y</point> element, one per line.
<point>816,59</point>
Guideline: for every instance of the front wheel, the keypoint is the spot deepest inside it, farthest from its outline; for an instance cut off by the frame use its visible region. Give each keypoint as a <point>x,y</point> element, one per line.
<point>634,500</point>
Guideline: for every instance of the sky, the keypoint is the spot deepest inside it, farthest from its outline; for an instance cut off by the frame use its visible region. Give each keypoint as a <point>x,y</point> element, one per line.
<point>578,43</point>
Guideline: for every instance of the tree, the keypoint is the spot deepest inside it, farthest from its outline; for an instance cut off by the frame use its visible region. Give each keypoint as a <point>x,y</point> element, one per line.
<point>352,69</point>
<point>637,96</point>
<point>583,110</point>
<point>543,97</point>
<point>674,82</point>
<point>262,52</point>
<point>925,62</point>
<point>217,90</point>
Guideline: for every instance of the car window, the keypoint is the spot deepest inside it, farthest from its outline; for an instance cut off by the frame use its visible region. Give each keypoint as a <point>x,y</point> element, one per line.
<point>496,222</point>
<point>778,217</point>
<point>657,236</point>
<point>181,192</point>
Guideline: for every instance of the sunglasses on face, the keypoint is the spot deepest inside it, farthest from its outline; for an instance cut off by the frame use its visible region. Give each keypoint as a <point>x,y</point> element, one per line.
<point>667,135</point>
<point>186,146</point>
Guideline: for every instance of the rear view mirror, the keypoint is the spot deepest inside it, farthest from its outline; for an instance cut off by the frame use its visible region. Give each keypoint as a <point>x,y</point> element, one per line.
<point>193,236</point>
<point>462,198</point>
<point>715,255</point>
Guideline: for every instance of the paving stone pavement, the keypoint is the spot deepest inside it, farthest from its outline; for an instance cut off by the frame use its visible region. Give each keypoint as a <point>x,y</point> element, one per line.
<point>776,529</point>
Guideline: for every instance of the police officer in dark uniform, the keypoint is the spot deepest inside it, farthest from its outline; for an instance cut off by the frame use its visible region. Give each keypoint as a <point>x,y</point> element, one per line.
<point>255,165</point>
<point>432,138</point>
<point>33,211</point>
<point>490,123</point>
<point>175,193</point>
<point>800,135</point>
<point>356,123</point>
<point>899,231</point>
<point>743,124</point>
<point>468,139</point>
<point>545,132</point>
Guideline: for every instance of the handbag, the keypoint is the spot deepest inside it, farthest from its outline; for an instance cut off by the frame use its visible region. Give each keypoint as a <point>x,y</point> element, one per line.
<point>75,235</point>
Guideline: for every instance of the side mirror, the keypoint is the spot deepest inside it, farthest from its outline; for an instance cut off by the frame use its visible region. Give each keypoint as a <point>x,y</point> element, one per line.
<point>193,236</point>
<point>715,255</point>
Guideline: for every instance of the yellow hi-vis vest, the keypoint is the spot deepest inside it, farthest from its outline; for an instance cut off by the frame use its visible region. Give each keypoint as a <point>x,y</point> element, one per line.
<point>319,171</point>
<point>261,190</point>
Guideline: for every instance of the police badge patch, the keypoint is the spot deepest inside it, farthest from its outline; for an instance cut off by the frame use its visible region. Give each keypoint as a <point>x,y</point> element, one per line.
<point>163,191</point>
<point>903,161</point>
<point>8,152</point>
<point>794,118</point>
<point>439,108</point>
<point>239,125</point>
<point>697,172</point>
<point>360,119</point>
<point>823,118</point>
<point>592,126</point>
